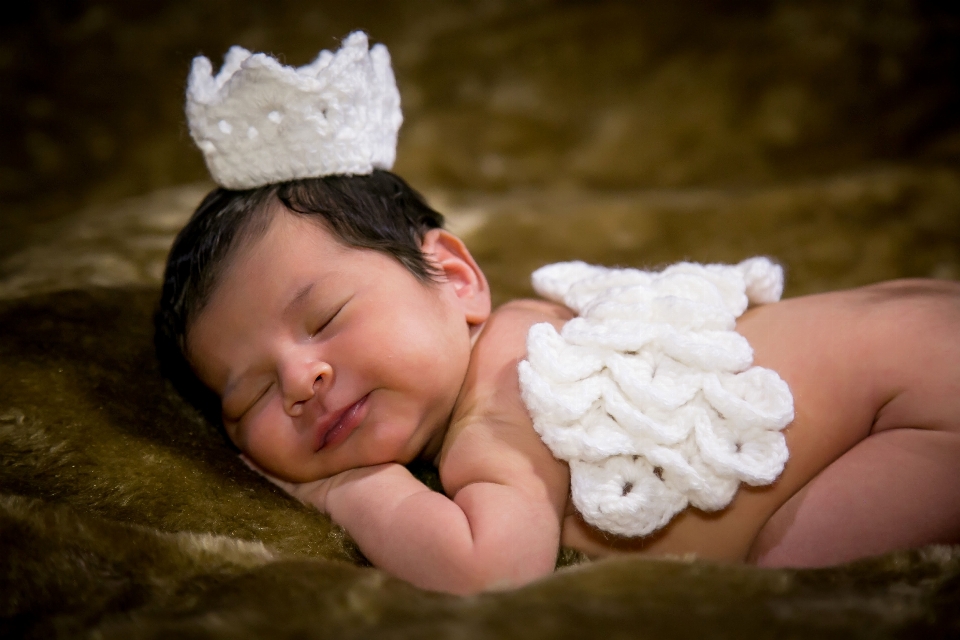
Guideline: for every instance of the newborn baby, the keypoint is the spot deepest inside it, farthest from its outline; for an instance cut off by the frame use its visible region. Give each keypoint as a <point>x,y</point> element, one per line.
<point>346,334</point>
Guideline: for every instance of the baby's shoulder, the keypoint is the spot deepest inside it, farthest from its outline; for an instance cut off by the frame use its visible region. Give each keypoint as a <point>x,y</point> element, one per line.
<point>490,394</point>
<point>502,343</point>
<point>512,320</point>
<point>490,436</point>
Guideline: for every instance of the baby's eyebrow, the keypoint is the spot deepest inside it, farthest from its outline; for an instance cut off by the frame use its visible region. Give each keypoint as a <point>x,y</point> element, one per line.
<point>298,299</point>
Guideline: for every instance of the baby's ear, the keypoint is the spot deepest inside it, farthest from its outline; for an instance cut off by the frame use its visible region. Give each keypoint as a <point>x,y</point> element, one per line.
<point>447,252</point>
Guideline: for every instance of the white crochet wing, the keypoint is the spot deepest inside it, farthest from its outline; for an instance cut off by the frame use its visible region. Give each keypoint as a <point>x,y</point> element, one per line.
<point>649,394</point>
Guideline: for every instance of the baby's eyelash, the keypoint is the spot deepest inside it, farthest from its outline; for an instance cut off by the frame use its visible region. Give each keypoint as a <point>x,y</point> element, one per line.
<point>326,322</point>
<point>252,404</point>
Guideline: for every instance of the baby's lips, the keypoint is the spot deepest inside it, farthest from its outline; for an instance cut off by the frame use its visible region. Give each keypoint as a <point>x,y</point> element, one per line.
<point>328,423</point>
<point>346,421</point>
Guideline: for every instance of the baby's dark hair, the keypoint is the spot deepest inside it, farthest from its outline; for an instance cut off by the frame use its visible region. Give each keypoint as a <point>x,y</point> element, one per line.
<point>379,211</point>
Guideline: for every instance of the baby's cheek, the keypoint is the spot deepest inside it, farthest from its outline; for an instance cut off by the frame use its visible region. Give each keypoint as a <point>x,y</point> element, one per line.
<point>262,441</point>
<point>386,442</point>
<point>254,449</point>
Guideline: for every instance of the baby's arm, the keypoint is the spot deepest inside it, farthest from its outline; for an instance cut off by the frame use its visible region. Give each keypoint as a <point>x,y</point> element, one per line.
<point>501,528</point>
<point>490,535</point>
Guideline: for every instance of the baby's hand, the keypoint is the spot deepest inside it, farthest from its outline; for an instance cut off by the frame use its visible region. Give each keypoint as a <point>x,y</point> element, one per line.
<point>313,493</point>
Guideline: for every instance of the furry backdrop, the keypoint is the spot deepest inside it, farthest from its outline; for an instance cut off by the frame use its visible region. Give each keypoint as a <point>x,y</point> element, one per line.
<point>125,515</point>
<point>825,134</point>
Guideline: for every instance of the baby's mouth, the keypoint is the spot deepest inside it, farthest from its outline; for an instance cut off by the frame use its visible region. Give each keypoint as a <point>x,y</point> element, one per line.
<point>335,429</point>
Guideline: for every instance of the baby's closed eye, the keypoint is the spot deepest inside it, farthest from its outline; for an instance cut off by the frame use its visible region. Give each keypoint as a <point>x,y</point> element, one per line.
<point>238,405</point>
<point>325,321</point>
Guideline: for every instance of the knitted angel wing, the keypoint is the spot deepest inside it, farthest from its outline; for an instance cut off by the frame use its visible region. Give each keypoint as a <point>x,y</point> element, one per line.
<point>649,394</point>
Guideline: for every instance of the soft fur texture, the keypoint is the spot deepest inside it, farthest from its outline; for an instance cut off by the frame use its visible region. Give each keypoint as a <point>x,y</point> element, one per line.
<point>619,133</point>
<point>124,515</point>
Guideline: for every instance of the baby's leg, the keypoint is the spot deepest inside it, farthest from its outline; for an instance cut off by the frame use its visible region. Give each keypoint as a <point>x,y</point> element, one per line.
<point>895,490</point>
<point>900,486</point>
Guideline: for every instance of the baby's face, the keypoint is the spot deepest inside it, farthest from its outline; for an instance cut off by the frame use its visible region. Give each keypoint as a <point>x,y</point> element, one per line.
<point>328,358</point>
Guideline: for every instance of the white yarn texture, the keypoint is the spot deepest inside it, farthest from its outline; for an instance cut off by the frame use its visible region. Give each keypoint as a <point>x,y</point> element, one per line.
<point>649,394</point>
<point>259,122</point>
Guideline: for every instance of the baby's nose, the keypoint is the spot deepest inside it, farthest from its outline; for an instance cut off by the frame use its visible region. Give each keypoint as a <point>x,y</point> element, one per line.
<point>304,383</point>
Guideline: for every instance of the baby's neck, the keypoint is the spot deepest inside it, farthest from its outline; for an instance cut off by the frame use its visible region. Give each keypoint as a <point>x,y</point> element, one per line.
<point>475,331</point>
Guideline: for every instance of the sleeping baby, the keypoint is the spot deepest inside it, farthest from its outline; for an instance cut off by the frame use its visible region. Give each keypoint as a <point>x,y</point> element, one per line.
<point>687,412</point>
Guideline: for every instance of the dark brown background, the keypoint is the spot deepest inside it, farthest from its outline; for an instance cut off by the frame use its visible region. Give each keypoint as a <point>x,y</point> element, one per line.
<point>546,99</point>
<point>826,134</point>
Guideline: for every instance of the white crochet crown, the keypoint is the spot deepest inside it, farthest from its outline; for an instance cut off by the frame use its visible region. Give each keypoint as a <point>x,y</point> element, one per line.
<point>259,121</point>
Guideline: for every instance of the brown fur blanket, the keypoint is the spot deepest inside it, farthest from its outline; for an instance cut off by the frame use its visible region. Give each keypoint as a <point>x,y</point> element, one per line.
<point>124,514</point>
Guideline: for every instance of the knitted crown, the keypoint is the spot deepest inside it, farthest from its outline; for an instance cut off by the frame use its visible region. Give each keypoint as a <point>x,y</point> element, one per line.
<point>259,121</point>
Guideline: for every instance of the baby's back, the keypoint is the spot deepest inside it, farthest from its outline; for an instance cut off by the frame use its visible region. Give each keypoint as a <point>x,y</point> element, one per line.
<point>876,392</point>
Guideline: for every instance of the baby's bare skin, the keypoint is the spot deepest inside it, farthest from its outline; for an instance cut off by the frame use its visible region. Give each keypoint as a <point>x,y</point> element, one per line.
<point>874,448</point>
<point>336,367</point>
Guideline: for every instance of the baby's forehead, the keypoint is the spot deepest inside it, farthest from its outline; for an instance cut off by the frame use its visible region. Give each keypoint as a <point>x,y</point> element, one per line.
<point>262,232</point>
<point>296,258</point>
